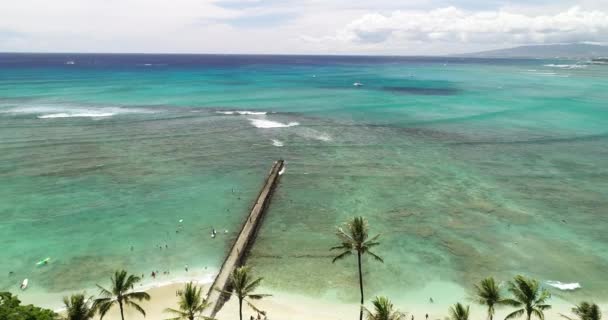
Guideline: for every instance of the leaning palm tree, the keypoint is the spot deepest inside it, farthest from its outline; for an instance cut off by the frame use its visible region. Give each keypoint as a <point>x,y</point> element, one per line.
<point>529,296</point>
<point>586,311</point>
<point>487,293</point>
<point>191,304</point>
<point>384,310</point>
<point>77,307</point>
<point>243,285</point>
<point>459,312</point>
<point>120,294</point>
<point>356,239</point>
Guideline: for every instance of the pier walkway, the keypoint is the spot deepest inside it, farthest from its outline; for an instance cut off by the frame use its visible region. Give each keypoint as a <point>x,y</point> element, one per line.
<point>241,245</point>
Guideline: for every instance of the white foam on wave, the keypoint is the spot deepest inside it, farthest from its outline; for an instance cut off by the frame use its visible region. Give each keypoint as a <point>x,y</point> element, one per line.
<point>54,112</point>
<point>267,124</point>
<point>76,115</point>
<point>314,134</point>
<point>245,112</point>
<point>565,66</point>
<point>277,143</point>
<point>564,286</point>
<point>323,137</point>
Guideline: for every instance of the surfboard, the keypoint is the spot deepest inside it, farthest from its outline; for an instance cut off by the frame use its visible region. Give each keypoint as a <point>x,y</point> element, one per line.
<point>24,284</point>
<point>43,262</point>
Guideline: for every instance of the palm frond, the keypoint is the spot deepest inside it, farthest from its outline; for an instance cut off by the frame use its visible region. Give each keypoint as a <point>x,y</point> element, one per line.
<point>104,292</point>
<point>375,256</point>
<point>253,307</point>
<point>258,296</point>
<point>459,312</point>
<point>137,296</point>
<point>515,314</point>
<point>251,286</point>
<point>136,307</point>
<point>178,313</point>
<point>342,256</point>
<point>538,313</point>
<point>102,306</point>
<point>512,302</point>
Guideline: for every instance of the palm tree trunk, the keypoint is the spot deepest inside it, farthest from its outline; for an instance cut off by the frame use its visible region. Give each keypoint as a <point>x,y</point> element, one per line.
<point>240,309</point>
<point>122,315</point>
<point>490,313</point>
<point>360,286</point>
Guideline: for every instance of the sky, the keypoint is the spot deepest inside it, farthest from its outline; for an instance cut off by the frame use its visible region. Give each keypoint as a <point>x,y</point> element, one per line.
<point>396,27</point>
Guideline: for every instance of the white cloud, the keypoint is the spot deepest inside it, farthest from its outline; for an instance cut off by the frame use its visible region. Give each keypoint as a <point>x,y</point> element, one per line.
<point>453,25</point>
<point>294,26</point>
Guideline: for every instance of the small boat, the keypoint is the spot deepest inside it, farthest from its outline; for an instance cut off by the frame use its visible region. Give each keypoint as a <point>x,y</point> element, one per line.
<point>70,62</point>
<point>357,84</point>
<point>24,284</point>
<point>43,262</point>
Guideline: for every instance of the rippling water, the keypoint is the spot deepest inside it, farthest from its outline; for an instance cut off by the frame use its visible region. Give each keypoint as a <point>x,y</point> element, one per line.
<point>468,168</point>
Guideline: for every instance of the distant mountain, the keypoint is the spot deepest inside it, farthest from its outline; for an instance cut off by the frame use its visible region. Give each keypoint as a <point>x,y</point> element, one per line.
<point>574,51</point>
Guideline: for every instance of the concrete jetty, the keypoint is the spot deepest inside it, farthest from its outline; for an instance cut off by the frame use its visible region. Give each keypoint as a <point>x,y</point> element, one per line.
<point>243,242</point>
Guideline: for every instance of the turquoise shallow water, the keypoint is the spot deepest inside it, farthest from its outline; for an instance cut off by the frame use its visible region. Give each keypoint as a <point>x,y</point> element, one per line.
<point>468,168</point>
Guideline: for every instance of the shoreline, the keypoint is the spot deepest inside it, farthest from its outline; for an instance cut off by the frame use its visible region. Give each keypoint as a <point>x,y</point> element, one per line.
<point>289,305</point>
<point>53,300</point>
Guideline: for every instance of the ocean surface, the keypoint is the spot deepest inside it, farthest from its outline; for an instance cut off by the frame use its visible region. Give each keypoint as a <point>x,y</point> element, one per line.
<point>467,167</point>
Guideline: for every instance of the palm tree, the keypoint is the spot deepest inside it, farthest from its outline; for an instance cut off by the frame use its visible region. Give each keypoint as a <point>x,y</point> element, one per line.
<point>355,239</point>
<point>459,312</point>
<point>120,294</point>
<point>529,296</point>
<point>487,292</point>
<point>77,307</point>
<point>586,311</point>
<point>243,285</point>
<point>384,310</point>
<point>191,304</point>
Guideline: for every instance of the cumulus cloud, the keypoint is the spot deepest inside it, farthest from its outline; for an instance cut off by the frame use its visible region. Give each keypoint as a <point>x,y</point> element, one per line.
<point>295,26</point>
<point>453,25</point>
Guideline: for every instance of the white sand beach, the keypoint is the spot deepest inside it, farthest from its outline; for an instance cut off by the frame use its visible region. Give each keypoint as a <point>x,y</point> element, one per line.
<point>289,306</point>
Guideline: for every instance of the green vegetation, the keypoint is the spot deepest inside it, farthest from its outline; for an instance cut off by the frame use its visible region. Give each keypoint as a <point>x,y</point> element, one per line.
<point>529,296</point>
<point>586,311</point>
<point>383,310</point>
<point>526,295</point>
<point>77,307</point>
<point>487,293</point>
<point>191,304</point>
<point>355,239</point>
<point>243,285</point>
<point>459,312</point>
<point>120,294</point>
<point>11,309</point>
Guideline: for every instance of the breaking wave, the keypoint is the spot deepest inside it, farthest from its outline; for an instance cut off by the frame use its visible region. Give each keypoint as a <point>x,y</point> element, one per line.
<point>266,124</point>
<point>55,112</point>
<point>245,112</point>
<point>564,286</point>
<point>566,66</point>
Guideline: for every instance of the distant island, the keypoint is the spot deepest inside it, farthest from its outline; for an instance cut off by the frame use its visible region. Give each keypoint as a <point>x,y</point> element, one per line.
<point>572,51</point>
